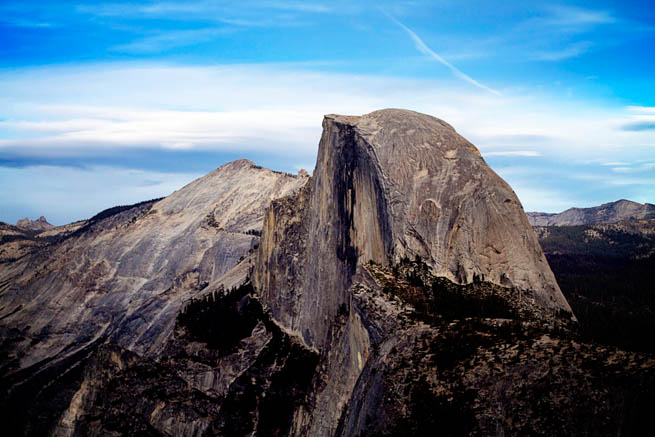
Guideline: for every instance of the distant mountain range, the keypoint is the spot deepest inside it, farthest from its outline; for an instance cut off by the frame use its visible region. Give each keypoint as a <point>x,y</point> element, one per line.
<point>603,258</point>
<point>606,213</point>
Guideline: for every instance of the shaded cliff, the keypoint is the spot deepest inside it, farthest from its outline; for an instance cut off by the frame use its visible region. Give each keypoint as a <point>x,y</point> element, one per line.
<point>611,212</point>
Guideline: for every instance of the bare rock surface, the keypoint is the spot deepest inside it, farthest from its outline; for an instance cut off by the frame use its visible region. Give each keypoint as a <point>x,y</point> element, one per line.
<point>388,185</point>
<point>123,278</point>
<point>38,225</point>
<point>606,213</point>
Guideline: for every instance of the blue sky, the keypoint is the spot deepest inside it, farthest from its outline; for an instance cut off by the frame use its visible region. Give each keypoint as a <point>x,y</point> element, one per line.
<point>117,102</point>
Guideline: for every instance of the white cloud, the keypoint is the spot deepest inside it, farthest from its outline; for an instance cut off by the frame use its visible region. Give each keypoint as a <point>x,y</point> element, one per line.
<point>566,20</point>
<point>166,41</point>
<point>423,48</point>
<point>647,167</point>
<point>202,9</point>
<point>251,107</point>
<point>575,16</point>
<point>523,153</point>
<point>643,109</point>
<point>276,110</point>
<point>42,190</point>
<point>570,51</point>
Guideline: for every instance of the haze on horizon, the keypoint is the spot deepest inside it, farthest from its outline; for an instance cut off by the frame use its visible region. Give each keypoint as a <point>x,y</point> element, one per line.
<point>111,103</point>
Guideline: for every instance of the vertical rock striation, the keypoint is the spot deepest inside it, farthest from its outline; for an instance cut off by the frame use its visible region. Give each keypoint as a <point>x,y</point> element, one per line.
<point>388,185</point>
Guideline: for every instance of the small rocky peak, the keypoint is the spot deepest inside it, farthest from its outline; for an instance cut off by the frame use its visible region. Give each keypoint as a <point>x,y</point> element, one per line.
<point>237,165</point>
<point>40,224</point>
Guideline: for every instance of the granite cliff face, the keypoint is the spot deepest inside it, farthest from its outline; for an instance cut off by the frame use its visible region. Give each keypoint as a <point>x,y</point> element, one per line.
<point>389,185</point>
<point>606,213</point>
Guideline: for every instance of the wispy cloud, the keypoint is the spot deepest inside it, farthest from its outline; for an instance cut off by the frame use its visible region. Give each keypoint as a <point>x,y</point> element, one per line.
<point>566,20</point>
<point>117,114</point>
<point>423,48</point>
<point>20,22</point>
<point>557,33</point>
<point>570,51</point>
<point>204,8</point>
<point>295,6</point>
<point>118,127</point>
<point>642,109</point>
<point>166,41</point>
<point>642,120</point>
<point>638,126</point>
<point>647,167</point>
<point>522,153</point>
<point>575,17</point>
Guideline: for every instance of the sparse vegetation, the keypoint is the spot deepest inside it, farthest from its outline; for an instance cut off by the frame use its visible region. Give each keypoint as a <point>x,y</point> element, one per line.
<point>110,212</point>
<point>222,319</point>
<point>435,297</point>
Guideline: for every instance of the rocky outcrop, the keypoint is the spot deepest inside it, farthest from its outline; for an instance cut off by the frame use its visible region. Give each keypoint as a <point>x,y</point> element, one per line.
<point>249,380</point>
<point>612,212</point>
<point>39,225</point>
<point>389,185</point>
<point>123,276</point>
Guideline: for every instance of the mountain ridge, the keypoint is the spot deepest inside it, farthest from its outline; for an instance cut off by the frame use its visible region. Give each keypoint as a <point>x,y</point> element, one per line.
<point>610,212</point>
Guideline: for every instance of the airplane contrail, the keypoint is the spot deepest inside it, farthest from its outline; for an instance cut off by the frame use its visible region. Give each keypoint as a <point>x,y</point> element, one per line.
<point>423,48</point>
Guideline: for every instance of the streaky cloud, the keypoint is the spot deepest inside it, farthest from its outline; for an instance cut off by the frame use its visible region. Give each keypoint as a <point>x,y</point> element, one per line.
<point>639,126</point>
<point>644,109</point>
<point>423,48</point>
<point>571,51</point>
<point>570,15</point>
<point>166,41</point>
<point>522,153</point>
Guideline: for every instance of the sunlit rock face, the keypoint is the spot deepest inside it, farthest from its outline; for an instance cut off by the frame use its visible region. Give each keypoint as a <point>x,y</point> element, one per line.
<point>388,185</point>
<point>123,277</point>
